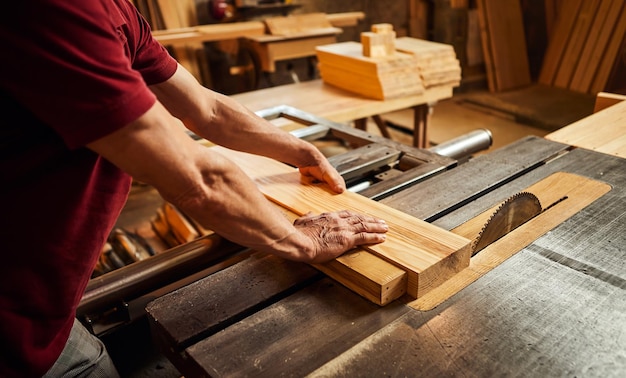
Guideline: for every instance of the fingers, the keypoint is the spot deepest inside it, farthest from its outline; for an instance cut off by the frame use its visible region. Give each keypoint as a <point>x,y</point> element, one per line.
<point>327,174</point>
<point>337,232</point>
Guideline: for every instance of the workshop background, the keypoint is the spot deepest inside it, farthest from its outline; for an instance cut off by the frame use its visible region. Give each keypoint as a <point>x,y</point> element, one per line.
<point>515,81</point>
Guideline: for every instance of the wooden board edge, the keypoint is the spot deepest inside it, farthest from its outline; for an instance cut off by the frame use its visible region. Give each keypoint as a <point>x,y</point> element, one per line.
<point>381,289</point>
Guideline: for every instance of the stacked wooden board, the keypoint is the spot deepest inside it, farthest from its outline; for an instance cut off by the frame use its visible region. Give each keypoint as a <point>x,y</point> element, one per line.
<point>344,65</point>
<point>437,62</point>
<point>415,258</point>
<point>587,39</point>
<point>385,67</point>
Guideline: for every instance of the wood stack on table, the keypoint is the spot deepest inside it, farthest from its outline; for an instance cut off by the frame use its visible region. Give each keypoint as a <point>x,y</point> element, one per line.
<point>372,68</point>
<point>437,62</point>
<point>383,67</point>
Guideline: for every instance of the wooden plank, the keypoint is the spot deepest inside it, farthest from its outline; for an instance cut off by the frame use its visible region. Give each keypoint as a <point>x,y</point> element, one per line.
<point>597,42</point>
<point>297,24</point>
<point>577,39</point>
<point>364,273</point>
<point>345,18</point>
<point>418,19</point>
<point>293,337</point>
<point>429,254</point>
<point>604,131</point>
<point>483,25</point>
<point>218,300</point>
<point>507,43</point>
<point>618,41</point>
<point>209,33</point>
<point>559,40</point>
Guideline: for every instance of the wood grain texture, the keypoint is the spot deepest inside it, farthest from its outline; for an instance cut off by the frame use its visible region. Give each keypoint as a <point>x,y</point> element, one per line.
<point>580,192</point>
<point>502,30</point>
<point>430,255</point>
<point>292,337</point>
<point>344,65</point>
<point>577,40</point>
<point>364,273</point>
<point>618,40</point>
<point>604,131</point>
<point>558,41</point>
<point>592,54</point>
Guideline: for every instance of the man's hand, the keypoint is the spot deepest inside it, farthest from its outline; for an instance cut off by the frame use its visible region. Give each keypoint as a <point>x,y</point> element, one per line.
<point>335,233</point>
<point>326,173</point>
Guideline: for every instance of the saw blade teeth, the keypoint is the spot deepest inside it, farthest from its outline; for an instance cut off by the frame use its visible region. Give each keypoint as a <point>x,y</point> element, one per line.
<point>536,208</point>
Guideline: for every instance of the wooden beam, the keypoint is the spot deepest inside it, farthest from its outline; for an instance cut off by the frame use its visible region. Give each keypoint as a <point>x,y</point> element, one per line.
<point>502,30</point>
<point>430,255</point>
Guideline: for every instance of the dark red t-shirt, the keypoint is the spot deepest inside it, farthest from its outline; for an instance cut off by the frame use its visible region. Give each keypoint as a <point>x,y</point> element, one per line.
<point>71,72</point>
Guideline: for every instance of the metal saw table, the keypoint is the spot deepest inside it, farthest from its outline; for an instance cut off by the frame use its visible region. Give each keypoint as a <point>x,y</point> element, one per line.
<point>555,308</point>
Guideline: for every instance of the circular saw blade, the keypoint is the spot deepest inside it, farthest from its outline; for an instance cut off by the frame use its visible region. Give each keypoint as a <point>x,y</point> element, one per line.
<point>512,213</point>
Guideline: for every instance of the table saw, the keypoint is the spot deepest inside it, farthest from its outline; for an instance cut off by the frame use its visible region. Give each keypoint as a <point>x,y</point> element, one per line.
<point>544,298</point>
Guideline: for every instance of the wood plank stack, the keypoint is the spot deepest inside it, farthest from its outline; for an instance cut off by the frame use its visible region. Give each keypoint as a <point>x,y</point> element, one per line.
<point>588,36</point>
<point>372,68</point>
<point>437,62</point>
<point>504,44</point>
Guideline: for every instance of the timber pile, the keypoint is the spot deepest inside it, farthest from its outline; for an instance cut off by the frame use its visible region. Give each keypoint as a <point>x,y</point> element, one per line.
<point>372,68</point>
<point>504,44</point>
<point>437,62</point>
<point>588,36</point>
<point>585,40</point>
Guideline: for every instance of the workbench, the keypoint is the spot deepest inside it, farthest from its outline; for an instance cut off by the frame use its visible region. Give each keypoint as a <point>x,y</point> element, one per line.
<point>335,104</point>
<point>555,308</point>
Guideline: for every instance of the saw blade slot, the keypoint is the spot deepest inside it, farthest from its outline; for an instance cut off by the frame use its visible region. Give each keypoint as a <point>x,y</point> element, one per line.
<point>567,195</point>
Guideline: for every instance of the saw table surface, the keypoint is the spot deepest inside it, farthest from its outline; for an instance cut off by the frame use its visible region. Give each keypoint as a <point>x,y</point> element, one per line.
<point>555,308</point>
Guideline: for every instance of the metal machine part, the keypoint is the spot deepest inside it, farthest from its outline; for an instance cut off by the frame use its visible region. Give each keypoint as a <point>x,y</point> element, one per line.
<point>464,146</point>
<point>512,213</point>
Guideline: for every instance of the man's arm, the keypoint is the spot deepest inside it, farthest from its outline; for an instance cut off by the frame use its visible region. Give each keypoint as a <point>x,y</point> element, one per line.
<point>215,192</point>
<point>223,121</point>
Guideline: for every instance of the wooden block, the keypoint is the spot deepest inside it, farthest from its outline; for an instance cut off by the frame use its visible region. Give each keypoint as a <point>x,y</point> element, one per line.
<point>372,45</point>
<point>593,50</point>
<point>382,28</point>
<point>179,225</point>
<point>364,273</point>
<point>297,24</point>
<point>502,32</point>
<point>345,18</point>
<point>343,65</point>
<point>430,255</point>
<point>604,100</point>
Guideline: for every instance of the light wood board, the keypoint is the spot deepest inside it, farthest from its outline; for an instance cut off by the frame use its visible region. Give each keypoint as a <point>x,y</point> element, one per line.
<point>504,44</point>
<point>430,255</point>
<point>604,131</point>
